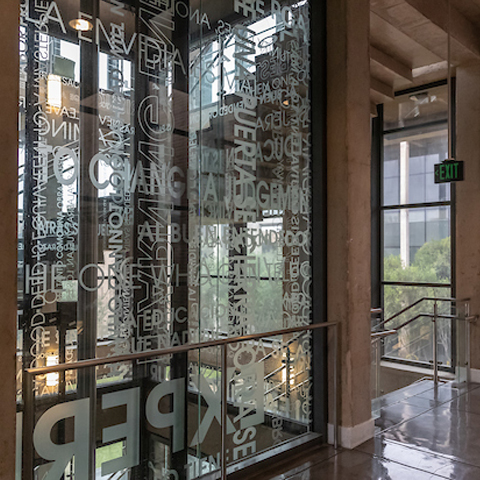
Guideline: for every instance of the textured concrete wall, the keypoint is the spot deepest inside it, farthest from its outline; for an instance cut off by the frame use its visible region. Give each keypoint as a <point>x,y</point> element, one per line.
<point>468,197</point>
<point>349,212</point>
<point>8,244</point>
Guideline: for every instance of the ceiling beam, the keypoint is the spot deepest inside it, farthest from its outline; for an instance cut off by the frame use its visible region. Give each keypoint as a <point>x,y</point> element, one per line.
<point>391,63</point>
<point>450,19</point>
<point>431,69</point>
<point>381,87</point>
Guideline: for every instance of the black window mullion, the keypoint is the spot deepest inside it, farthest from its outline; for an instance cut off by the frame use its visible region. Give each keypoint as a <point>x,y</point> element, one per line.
<point>378,218</point>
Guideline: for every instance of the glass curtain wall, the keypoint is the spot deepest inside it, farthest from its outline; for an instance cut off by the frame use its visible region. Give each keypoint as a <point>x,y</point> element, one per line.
<point>165,199</point>
<point>416,218</point>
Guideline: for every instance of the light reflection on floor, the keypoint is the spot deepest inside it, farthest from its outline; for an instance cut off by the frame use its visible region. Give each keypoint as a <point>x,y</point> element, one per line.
<point>422,433</point>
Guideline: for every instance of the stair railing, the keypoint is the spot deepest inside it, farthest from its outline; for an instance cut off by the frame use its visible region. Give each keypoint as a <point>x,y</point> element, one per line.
<point>377,335</point>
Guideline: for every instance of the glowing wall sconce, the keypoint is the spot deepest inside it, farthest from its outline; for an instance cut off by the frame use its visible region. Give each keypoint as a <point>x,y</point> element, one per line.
<point>54,91</point>
<point>81,25</point>
<point>291,374</point>
<point>52,378</point>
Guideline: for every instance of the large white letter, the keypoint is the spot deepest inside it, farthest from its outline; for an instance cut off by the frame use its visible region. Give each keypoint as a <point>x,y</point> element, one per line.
<point>62,154</point>
<point>173,419</point>
<point>130,430</point>
<point>62,454</point>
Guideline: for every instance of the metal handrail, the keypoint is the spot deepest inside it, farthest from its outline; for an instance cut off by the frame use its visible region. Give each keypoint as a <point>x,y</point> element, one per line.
<point>429,315</point>
<point>412,343</point>
<point>379,335</point>
<point>296,387</point>
<point>376,336</point>
<point>97,362</point>
<point>414,304</point>
<point>274,372</point>
<point>175,350</point>
<point>266,357</point>
<point>30,374</point>
<point>281,384</point>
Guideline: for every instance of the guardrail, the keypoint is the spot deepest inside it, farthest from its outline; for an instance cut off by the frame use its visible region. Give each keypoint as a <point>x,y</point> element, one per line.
<point>377,336</point>
<point>414,304</point>
<point>31,373</point>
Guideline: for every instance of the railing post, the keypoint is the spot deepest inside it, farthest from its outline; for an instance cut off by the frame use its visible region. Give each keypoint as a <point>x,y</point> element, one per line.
<point>224,385</point>
<point>31,373</point>
<point>467,321</point>
<point>28,426</point>
<point>435,345</point>
<point>378,355</point>
<point>336,383</point>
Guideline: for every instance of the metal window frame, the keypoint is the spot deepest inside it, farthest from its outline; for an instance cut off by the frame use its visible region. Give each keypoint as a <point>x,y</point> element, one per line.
<point>378,209</point>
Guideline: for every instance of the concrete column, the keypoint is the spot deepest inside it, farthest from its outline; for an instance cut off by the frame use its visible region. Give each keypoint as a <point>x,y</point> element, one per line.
<point>349,211</point>
<point>468,200</point>
<point>8,227</point>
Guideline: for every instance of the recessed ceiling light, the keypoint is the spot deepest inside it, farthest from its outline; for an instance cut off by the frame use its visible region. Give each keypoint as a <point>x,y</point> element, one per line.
<point>421,97</point>
<point>80,24</point>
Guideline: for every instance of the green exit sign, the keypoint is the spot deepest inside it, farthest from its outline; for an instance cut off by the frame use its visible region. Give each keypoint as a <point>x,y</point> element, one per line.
<point>449,171</point>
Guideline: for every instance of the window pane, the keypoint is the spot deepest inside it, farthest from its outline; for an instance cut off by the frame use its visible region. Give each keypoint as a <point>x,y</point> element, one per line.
<point>416,242</point>
<point>417,245</point>
<point>391,174</point>
<point>414,342</point>
<point>409,159</point>
<point>391,233</point>
<point>417,108</point>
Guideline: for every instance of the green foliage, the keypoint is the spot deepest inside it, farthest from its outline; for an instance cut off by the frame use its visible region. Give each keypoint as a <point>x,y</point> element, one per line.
<point>431,265</point>
<point>435,257</point>
<point>107,453</point>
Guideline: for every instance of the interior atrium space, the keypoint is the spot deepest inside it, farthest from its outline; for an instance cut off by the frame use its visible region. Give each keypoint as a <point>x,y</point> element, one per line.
<point>240,239</point>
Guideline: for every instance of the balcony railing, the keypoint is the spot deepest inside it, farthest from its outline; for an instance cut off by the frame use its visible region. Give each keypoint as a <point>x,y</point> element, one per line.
<point>386,330</point>
<point>294,383</point>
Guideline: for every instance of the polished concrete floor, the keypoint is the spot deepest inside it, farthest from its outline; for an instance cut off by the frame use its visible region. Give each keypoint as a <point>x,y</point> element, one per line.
<point>421,433</point>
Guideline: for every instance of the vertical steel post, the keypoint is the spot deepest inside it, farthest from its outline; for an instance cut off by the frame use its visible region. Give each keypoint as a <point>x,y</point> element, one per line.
<point>28,425</point>
<point>336,383</point>
<point>88,223</point>
<point>32,91</point>
<point>435,346</point>
<point>467,340</point>
<point>224,411</point>
<point>378,352</point>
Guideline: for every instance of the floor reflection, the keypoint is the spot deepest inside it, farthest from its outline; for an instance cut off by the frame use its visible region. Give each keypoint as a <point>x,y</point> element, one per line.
<point>422,433</point>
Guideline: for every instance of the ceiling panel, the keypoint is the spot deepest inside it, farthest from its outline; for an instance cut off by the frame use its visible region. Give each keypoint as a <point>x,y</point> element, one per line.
<point>468,8</point>
<point>402,32</point>
<point>392,41</point>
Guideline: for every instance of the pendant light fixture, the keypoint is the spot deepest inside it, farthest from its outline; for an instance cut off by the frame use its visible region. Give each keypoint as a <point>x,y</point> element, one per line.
<point>449,86</point>
<point>450,170</point>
